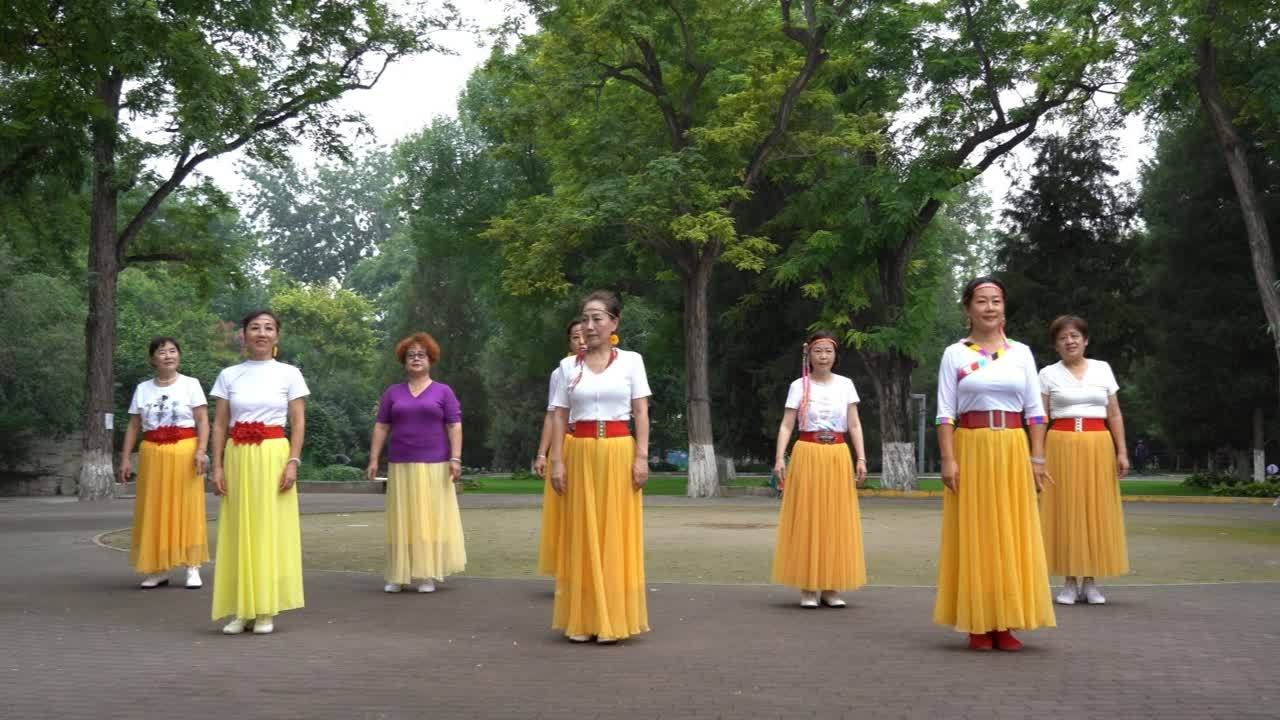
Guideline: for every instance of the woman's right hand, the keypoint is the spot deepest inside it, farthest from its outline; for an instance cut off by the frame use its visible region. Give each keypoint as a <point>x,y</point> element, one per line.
<point>371,472</point>
<point>780,470</point>
<point>219,484</point>
<point>951,475</point>
<point>125,470</point>
<point>540,465</point>
<point>557,476</point>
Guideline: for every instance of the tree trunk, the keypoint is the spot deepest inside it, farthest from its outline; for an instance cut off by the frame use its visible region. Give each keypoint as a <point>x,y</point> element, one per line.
<point>891,373</point>
<point>96,470</point>
<point>696,282</point>
<point>1259,456</point>
<point>1255,221</point>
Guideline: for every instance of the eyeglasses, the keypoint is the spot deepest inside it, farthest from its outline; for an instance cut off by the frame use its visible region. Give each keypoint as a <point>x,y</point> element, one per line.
<point>415,356</point>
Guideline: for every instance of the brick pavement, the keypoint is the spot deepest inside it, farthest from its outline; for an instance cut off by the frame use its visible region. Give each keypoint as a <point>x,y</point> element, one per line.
<point>79,641</point>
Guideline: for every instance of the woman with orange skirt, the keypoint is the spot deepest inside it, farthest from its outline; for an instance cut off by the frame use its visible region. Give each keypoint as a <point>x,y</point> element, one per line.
<point>600,590</point>
<point>1085,451</point>
<point>549,547</point>
<point>258,568</point>
<point>991,566</point>
<point>169,527</point>
<point>819,550</point>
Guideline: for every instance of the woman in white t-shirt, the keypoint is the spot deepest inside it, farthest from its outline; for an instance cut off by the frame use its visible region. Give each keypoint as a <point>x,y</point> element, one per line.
<point>991,569</point>
<point>1081,513</point>
<point>819,548</point>
<point>600,589</point>
<point>169,527</point>
<point>258,570</point>
<point>549,547</point>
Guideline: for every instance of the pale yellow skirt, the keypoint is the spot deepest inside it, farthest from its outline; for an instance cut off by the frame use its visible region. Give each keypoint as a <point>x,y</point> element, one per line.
<point>819,529</point>
<point>169,527</point>
<point>600,587</point>
<point>552,511</point>
<point>1081,512</point>
<point>258,567</point>
<point>991,566</point>
<point>424,526</point>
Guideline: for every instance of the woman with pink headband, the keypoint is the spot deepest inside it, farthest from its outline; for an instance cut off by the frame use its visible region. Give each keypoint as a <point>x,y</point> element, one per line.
<point>819,550</point>
<point>992,577</point>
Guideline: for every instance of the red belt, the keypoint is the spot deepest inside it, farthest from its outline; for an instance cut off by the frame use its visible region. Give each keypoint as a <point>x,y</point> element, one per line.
<point>994,419</point>
<point>253,433</point>
<point>1079,424</point>
<point>822,437</point>
<point>168,434</point>
<point>601,428</point>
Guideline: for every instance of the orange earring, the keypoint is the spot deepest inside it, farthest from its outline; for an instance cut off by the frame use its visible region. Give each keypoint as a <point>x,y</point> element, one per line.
<point>613,339</point>
<point>275,350</point>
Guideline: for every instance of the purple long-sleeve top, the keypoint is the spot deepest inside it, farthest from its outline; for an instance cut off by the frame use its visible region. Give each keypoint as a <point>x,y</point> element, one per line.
<point>419,424</point>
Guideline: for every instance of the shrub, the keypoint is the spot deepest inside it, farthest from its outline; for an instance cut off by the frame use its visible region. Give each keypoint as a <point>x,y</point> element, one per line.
<point>331,473</point>
<point>525,476</point>
<point>1270,488</point>
<point>1208,480</point>
<point>662,466</point>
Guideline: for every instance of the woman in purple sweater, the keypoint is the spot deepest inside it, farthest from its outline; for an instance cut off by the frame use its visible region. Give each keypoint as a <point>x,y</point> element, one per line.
<point>424,461</point>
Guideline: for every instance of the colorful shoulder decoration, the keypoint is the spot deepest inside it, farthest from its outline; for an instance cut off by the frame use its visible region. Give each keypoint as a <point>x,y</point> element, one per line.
<point>984,358</point>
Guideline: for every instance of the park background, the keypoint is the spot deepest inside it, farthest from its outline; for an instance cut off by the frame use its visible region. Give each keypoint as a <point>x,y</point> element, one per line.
<point>740,172</point>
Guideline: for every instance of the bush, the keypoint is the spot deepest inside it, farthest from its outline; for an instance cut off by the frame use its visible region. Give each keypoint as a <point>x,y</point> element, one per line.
<point>663,466</point>
<point>331,473</point>
<point>1209,480</point>
<point>525,476</point>
<point>756,469</point>
<point>1270,488</point>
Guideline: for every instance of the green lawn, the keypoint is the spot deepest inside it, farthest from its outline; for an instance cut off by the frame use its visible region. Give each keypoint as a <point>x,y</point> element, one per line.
<point>675,485</point>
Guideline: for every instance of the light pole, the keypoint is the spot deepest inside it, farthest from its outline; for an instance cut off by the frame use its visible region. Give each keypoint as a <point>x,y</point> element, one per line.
<point>924,404</point>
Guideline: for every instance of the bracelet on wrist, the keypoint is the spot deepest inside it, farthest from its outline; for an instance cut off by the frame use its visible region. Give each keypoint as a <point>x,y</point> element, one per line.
<point>295,460</point>
<point>1037,461</point>
<point>455,460</point>
<point>541,456</point>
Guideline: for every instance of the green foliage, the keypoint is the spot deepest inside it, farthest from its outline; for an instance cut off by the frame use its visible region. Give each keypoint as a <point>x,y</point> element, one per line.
<point>1268,489</point>
<point>330,473</point>
<point>1207,480</point>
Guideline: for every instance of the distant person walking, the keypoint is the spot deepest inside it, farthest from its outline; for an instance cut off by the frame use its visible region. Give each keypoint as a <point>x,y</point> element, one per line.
<point>1140,455</point>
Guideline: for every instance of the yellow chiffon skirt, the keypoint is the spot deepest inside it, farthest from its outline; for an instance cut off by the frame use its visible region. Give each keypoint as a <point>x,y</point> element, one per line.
<point>600,586</point>
<point>552,512</point>
<point>819,531</point>
<point>258,567</point>
<point>991,567</point>
<point>424,526</point>
<point>1081,512</point>
<point>169,527</point>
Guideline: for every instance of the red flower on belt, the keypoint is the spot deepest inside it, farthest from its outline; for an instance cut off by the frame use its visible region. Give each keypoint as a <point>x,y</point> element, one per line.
<point>249,433</point>
<point>168,434</point>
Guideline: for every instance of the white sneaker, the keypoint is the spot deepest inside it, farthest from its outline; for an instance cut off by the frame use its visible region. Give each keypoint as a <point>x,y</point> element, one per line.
<point>579,638</point>
<point>392,587</point>
<point>831,599</point>
<point>427,586</point>
<point>263,625</point>
<point>193,578</point>
<point>606,641</point>
<point>1093,595</point>
<point>808,599</point>
<point>154,581</point>
<point>1070,592</point>
<point>235,627</point>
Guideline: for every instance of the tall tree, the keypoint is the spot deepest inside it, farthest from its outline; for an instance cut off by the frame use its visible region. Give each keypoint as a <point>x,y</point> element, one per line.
<point>659,120</point>
<point>143,85</point>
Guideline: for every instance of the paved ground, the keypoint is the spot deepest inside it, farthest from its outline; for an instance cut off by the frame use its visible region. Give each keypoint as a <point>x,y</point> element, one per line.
<point>79,641</point>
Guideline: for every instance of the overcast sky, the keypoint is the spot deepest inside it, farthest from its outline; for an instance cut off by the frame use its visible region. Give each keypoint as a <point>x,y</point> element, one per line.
<point>415,90</point>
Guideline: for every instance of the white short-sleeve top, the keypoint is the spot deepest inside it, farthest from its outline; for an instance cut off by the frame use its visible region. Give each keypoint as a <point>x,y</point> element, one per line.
<point>601,396</point>
<point>557,378</point>
<point>260,390</point>
<point>170,405</point>
<point>1079,398</point>
<point>970,379</point>
<point>828,406</point>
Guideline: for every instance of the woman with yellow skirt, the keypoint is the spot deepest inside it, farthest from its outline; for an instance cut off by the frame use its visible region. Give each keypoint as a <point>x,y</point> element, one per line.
<point>258,567</point>
<point>819,550</point>
<point>1085,452</point>
<point>991,566</point>
<point>600,590</point>
<point>423,419</point>
<point>549,547</point>
<point>169,528</point>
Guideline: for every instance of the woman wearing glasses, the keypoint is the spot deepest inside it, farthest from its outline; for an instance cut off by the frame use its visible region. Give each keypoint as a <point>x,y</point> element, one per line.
<point>423,419</point>
<point>600,591</point>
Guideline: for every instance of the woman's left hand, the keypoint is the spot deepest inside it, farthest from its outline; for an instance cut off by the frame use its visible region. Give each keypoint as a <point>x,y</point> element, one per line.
<point>860,472</point>
<point>455,471</point>
<point>639,473</point>
<point>1041,475</point>
<point>202,462</point>
<point>1122,464</point>
<point>289,476</point>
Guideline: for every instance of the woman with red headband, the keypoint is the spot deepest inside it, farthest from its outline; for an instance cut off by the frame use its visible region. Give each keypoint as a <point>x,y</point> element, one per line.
<point>258,570</point>
<point>991,568</point>
<point>549,547</point>
<point>1085,451</point>
<point>169,528</point>
<point>600,590</point>
<point>819,550</point>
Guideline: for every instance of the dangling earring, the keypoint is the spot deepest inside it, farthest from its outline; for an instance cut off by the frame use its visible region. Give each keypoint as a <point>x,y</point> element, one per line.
<point>275,350</point>
<point>613,339</point>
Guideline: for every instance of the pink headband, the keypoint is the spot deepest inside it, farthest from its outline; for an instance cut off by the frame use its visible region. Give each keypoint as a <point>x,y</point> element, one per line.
<point>828,341</point>
<point>988,284</point>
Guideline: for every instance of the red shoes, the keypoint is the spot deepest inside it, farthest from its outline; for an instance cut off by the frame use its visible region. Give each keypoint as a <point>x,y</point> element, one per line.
<point>1000,639</point>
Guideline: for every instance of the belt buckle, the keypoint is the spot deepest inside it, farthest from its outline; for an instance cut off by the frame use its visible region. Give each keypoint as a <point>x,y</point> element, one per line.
<point>1079,424</point>
<point>991,420</point>
<point>600,429</point>
<point>825,437</point>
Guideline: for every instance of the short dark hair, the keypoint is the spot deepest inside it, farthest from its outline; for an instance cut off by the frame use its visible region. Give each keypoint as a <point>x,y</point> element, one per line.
<point>159,342</point>
<point>568,329</point>
<point>608,298</point>
<point>255,314</point>
<point>972,287</point>
<point>1062,322</point>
